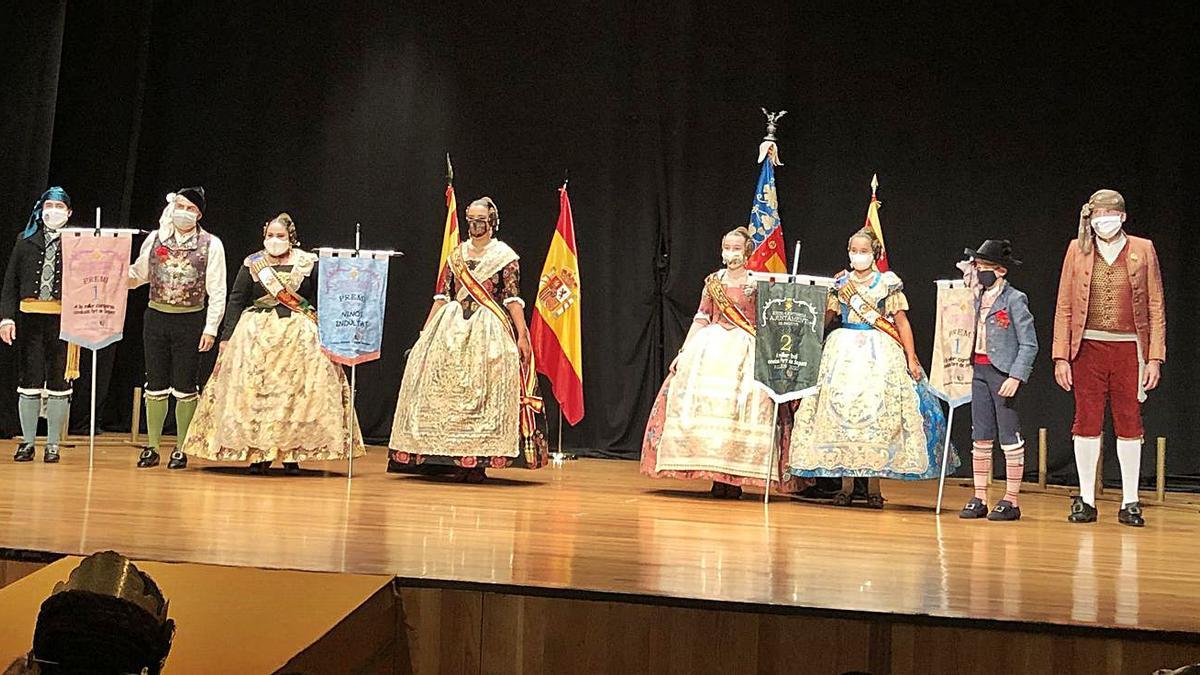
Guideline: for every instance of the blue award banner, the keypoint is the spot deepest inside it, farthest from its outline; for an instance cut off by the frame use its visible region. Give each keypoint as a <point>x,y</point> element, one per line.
<point>350,300</point>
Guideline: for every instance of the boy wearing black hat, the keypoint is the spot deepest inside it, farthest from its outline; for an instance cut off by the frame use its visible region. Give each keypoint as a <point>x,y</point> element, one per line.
<point>1005,348</point>
<point>185,266</point>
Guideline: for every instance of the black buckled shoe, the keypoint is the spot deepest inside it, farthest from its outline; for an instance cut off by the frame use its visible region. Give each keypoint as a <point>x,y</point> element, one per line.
<point>51,456</point>
<point>258,468</point>
<point>1005,511</point>
<point>178,460</point>
<point>148,458</point>
<point>1131,515</point>
<point>875,501</point>
<point>24,453</point>
<point>976,508</point>
<point>291,468</point>
<point>1081,511</point>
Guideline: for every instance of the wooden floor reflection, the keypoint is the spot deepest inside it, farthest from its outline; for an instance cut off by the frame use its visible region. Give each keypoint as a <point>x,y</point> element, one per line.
<point>598,525</point>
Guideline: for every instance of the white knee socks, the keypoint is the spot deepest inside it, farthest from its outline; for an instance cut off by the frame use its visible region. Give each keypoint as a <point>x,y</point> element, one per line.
<point>1087,453</point>
<point>1129,452</point>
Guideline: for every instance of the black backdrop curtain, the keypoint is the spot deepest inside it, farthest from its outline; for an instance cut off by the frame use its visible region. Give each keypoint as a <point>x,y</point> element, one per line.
<point>980,124</point>
<point>30,48</point>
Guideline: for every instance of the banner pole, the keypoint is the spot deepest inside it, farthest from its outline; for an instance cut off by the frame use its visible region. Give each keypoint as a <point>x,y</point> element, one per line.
<point>353,415</point>
<point>354,368</point>
<point>771,458</point>
<point>92,404</point>
<point>945,459</point>
<point>796,260</point>
<point>92,416</point>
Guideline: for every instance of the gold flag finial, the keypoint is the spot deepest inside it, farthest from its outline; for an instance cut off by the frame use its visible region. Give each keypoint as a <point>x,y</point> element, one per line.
<point>874,184</point>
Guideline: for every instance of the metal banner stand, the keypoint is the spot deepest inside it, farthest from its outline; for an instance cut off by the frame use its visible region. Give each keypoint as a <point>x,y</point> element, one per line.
<point>794,277</point>
<point>356,252</point>
<point>947,283</point>
<point>96,232</point>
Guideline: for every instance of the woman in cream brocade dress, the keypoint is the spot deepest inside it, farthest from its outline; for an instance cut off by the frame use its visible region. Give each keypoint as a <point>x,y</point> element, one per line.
<point>274,395</point>
<point>711,420</point>
<point>461,401</point>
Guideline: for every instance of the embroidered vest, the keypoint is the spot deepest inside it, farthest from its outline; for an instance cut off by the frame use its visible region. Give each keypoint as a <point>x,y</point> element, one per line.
<point>177,271</point>
<point>1110,307</point>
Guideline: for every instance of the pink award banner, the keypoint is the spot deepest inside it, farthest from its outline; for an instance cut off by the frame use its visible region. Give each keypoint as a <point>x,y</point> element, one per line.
<point>95,287</point>
<point>953,344</point>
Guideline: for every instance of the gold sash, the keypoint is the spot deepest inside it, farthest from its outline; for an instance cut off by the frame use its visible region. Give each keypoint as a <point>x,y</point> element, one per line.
<point>849,294</point>
<point>531,403</point>
<point>262,270</point>
<point>716,291</point>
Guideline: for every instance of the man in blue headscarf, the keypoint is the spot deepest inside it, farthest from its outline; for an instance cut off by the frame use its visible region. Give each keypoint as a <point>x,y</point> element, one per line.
<point>30,309</point>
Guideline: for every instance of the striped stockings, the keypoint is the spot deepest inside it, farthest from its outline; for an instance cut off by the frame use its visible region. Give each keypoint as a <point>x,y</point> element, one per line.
<point>1014,470</point>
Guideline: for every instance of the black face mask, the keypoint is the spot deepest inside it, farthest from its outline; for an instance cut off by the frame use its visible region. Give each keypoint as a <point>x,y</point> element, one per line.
<point>987,278</point>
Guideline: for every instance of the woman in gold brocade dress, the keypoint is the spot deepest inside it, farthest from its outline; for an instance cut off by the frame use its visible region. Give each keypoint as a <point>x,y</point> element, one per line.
<point>469,397</point>
<point>711,420</point>
<point>274,395</point>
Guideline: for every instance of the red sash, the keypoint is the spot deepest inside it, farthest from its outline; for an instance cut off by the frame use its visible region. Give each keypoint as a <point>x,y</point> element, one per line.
<point>531,403</point>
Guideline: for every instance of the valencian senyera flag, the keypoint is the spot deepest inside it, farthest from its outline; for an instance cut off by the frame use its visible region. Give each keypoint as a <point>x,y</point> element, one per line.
<point>556,333</point>
<point>351,297</point>
<point>951,370</point>
<point>872,223</point>
<point>95,287</point>
<point>765,227</point>
<point>788,338</point>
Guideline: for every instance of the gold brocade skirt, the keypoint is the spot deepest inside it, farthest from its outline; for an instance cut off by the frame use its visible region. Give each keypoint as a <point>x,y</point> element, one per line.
<point>866,420</point>
<point>274,396</point>
<point>460,393</point>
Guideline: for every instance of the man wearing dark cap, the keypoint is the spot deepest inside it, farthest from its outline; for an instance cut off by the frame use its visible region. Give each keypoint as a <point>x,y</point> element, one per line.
<point>185,266</point>
<point>1110,332</point>
<point>30,312</point>
<point>1005,348</point>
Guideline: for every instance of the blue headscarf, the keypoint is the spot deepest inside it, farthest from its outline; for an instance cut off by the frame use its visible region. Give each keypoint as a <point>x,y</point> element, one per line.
<point>35,219</point>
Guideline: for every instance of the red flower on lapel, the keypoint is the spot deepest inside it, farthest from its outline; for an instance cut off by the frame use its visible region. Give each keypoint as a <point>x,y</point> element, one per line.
<point>1002,319</point>
<point>162,252</point>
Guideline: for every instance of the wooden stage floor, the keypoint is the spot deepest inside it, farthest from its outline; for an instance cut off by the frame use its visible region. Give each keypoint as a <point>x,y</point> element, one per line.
<point>598,526</point>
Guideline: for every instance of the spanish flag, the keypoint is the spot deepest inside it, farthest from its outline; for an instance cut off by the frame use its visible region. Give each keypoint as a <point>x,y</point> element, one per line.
<point>765,227</point>
<point>556,332</point>
<point>873,225</point>
<point>449,239</point>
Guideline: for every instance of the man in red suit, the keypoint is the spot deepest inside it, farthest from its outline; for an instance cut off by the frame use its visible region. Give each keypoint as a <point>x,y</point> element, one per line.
<point>1109,345</point>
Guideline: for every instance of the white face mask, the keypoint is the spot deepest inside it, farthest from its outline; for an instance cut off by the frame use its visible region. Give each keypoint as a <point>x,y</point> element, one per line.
<point>54,218</point>
<point>1106,227</point>
<point>733,258</point>
<point>276,246</point>
<point>184,221</point>
<point>861,261</point>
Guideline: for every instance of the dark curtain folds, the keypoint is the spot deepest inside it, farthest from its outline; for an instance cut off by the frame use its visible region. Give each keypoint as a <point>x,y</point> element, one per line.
<point>984,123</point>
<point>31,38</point>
